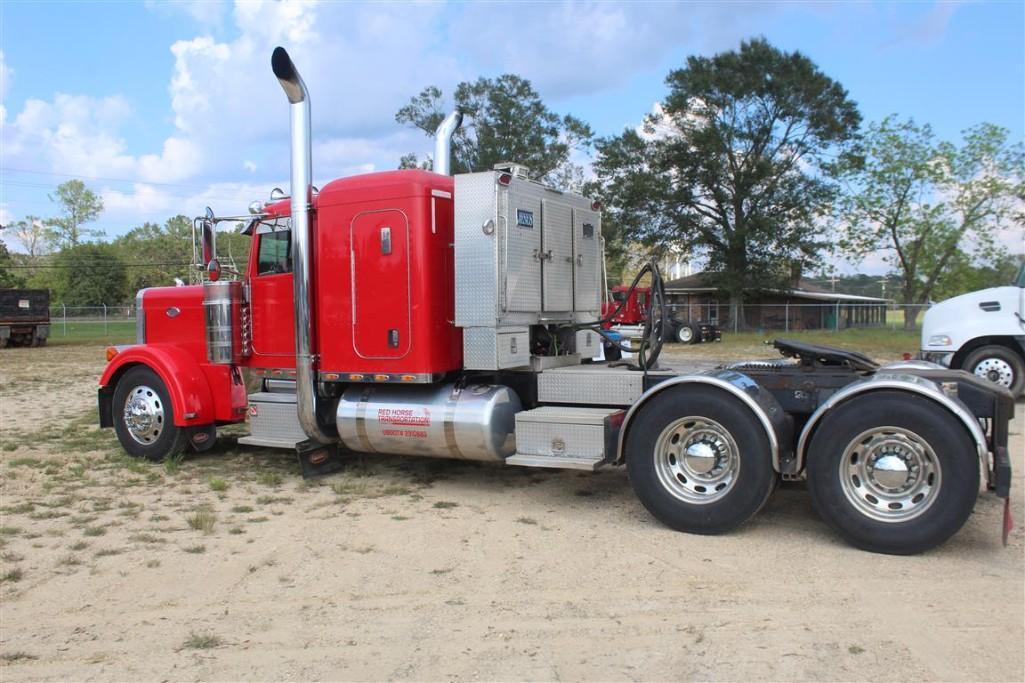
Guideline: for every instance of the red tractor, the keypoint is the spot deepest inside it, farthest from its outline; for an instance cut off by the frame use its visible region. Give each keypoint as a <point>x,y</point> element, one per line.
<point>629,309</point>
<point>430,315</point>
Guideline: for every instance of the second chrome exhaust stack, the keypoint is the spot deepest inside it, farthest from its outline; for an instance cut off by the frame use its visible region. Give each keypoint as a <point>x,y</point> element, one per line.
<point>443,142</point>
<point>302,193</point>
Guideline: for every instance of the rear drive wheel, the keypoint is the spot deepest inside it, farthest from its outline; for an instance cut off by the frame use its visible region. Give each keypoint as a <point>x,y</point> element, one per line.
<point>699,460</point>
<point>685,334</point>
<point>144,416</point>
<point>892,472</point>
<point>999,365</point>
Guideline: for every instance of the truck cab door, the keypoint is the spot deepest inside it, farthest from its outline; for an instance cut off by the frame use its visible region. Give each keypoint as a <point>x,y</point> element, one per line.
<point>271,299</point>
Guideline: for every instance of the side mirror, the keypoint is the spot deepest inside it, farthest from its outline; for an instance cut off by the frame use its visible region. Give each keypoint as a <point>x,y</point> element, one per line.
<point>213,270</point>
<point>209,242</point>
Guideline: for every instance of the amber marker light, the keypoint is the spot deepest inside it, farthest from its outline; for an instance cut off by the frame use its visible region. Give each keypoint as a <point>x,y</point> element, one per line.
<point>408,378</point>
<point>355,378</point>
<point>381,378</point>
<point>331,376</point>
<point>111,352</point>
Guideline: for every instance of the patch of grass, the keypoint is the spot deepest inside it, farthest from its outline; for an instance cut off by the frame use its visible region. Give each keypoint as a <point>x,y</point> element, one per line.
<point>400,518</point>
<point>173,464</point>
<point>272,479</point>
<point>202,520</point>
<point>257,520</point>
<point>350,487</point>
<point>24,462</point>
<point>855,649</point>
<point>153,564</point>
<point>440,572</point>
<point>107,552</point>
<point>69,561</point>
<point>236,531</point>
<point>364,549</point>
<point>79,545</point>
<point>9,531</point>
<point>527,520</point>
<point>159,518</point>
<point>202,641</point>
<point>12,657</point>
<point>19,509</point>
<point>146,537</point>
<point>195,549</point>
<point>445,505</point>
<point>94,531</point>
<point>11,557</point>
<point>13,575</point>
<point>217,484</point>
<point>242,509</point>
<point>270,500</point>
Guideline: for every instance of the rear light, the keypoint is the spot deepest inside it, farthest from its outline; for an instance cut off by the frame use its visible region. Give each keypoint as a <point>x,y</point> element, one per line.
<point>595,206</point>
<point>504,179</point>
<point>111,352</point>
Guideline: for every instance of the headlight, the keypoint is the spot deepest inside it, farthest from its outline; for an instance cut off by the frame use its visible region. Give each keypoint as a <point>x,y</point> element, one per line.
<point>939,340</point>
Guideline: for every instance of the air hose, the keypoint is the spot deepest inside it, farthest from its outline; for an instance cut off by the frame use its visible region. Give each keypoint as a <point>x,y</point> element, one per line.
<point>653,333</point>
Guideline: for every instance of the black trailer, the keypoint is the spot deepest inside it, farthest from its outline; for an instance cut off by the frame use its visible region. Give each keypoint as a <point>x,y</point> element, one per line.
<point>24,317</point>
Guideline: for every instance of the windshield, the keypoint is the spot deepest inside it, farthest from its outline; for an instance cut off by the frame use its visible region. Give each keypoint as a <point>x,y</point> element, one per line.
<point>1020,280</point>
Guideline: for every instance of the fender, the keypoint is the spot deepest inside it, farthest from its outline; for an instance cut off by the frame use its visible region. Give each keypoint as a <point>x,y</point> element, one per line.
<point>758,400</point>
<point>903,381</point>
<point>191,398</point>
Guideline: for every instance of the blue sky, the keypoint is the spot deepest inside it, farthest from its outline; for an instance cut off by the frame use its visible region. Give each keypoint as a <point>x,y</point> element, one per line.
<point>166,107</point>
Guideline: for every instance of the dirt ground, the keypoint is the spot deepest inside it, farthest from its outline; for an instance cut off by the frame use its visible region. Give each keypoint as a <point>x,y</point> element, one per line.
<point>229,566</point>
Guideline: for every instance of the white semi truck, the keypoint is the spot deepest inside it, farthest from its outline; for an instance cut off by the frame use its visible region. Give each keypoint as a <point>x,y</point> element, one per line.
<point>982,332</point>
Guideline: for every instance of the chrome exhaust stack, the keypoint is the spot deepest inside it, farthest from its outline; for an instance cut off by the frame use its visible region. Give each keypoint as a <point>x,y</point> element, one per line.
<point>443,142</point>
<point>302,193</point>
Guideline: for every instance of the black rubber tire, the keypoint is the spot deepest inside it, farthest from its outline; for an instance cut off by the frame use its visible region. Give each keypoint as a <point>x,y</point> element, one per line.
<point>1005,354</point>
<point>755,478</point>
<point>172,439</point>
<point>955,451</point>
<point>678,334</point>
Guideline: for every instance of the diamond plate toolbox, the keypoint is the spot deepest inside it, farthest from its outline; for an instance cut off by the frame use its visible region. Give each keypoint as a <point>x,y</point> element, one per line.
<point>564,432</point>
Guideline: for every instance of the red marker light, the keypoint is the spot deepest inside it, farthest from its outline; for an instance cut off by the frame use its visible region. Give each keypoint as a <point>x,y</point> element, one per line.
<point>504,179</point>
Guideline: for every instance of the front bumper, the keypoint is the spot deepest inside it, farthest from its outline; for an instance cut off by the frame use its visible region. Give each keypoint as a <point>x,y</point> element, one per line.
<point>939,357</point>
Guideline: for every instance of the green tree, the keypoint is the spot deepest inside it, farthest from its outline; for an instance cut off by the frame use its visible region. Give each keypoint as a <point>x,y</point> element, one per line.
<point>734,165</point>
<point>78,205</point>
<point>90,275</point>
<point>9,276</point>
<point>966,275</point>
<point>506,120</point>
<point>929,205</point>
<point>156,254</point>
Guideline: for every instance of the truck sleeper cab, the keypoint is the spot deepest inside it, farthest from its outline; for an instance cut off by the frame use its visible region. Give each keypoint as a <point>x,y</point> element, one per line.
<point>429,315</point>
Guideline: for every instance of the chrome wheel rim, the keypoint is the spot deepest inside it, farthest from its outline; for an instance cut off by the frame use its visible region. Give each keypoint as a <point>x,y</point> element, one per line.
<point>685,334</point>
<point>996,370</point>
<point>697,460</point>
<point>144,415</point>
<point>890,474</point>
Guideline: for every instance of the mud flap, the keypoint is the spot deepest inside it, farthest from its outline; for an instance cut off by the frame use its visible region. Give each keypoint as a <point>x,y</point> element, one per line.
<point>317,459</point>
<point>1008,520</point>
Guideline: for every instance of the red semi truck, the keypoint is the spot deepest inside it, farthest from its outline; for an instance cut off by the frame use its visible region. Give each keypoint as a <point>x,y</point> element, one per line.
<point>422,314</point>
<point>630,308</point>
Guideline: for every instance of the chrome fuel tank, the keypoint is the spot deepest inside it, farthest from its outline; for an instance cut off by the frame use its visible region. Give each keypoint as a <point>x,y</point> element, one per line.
<point>476,422</point>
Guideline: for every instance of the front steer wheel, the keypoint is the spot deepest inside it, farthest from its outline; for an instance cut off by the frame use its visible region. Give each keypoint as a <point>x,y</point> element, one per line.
<point>144,417</point>
<point>999,365</point>
<point>892,472</point>
<point>699,460</point>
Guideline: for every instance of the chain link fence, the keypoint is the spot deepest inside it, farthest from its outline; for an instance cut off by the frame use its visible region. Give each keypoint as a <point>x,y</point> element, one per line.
<point>64,320</point>
<point>755,317</point>
<point>791,317</point>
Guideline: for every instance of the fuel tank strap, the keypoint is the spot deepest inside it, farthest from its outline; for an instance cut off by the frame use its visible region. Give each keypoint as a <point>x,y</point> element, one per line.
<point>450,425</point>
<point>361,420</point>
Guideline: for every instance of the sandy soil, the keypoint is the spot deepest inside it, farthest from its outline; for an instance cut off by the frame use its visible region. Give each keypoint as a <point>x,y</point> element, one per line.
<point>413,569</point>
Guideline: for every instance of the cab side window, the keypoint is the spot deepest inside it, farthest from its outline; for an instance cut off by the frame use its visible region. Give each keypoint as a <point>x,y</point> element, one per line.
<point>275,253</point>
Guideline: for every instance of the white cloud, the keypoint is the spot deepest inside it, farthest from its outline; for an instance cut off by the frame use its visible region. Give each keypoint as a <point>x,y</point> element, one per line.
<point>362,62</point>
